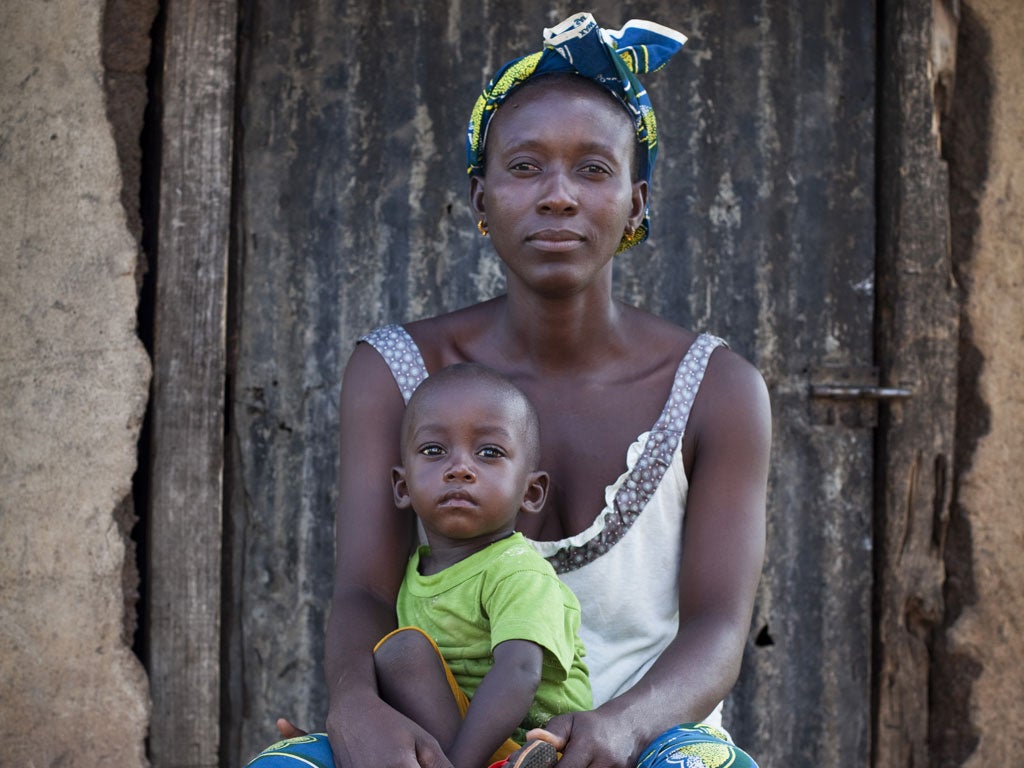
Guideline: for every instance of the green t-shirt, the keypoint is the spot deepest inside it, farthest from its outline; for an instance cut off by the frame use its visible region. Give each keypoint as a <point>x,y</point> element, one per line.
<point>504,592</point>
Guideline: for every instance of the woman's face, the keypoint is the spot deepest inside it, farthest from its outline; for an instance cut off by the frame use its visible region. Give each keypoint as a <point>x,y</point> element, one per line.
<point>559,190</point>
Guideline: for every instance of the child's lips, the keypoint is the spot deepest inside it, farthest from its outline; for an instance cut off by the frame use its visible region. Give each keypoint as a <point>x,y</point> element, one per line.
<point>457,498</point>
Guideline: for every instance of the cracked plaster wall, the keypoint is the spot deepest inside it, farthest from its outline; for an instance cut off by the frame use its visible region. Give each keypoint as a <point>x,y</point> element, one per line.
<point>985,600</point>
<point>73,385</point>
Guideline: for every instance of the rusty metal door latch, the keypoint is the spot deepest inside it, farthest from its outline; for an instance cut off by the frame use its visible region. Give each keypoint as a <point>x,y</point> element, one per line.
<point>850,396</point>
<point>860,392</point>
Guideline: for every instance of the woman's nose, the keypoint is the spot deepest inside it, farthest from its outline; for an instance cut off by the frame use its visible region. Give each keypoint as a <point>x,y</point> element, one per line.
<point>559,193</point>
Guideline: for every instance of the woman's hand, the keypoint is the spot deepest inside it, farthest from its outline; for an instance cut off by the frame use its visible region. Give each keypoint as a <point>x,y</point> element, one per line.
<point>590,740</point>
<point>371,734</point>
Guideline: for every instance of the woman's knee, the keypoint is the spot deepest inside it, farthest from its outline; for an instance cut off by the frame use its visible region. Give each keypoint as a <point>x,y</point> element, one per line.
<point>308,749</point>
<point>694,744</point>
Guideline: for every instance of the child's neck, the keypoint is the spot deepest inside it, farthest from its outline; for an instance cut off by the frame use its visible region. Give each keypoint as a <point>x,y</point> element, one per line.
<point>445,553</point>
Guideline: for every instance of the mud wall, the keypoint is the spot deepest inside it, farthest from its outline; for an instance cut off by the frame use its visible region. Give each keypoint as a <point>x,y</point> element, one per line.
<point>73,379</point>
<point>979,675</point>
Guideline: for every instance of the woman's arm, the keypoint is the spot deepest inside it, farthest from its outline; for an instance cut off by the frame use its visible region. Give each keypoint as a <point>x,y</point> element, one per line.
<point>723,551</point>
<point>373,545</point>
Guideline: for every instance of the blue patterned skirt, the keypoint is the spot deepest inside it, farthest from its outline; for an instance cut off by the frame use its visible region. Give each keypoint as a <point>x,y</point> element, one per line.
<point>693,745</point>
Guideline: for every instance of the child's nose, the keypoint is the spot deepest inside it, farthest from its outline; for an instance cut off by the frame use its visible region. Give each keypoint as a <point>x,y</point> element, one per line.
<point>460,470</point>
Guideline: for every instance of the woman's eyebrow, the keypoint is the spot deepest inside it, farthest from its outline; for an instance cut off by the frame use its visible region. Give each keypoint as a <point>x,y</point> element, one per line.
<point>539,145</point>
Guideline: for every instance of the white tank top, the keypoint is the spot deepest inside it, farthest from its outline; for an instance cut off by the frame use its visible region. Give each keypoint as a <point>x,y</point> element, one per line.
<point>624,568</point>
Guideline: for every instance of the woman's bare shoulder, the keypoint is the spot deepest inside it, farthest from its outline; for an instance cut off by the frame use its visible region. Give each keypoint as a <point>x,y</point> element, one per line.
<point>732,398</point>
<point>448,338</point>
<point>660,334</point>
<point>731,371</point>
<point>654,337</point>
<point>368,380</point>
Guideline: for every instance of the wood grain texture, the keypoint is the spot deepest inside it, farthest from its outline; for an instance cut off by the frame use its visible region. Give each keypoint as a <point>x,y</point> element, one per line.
<point>918,346</point>
<point>188,393</point>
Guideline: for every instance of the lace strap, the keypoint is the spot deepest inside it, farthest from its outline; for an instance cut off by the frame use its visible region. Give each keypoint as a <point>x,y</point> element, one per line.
<point>647,472</point>
<point>401,354</point>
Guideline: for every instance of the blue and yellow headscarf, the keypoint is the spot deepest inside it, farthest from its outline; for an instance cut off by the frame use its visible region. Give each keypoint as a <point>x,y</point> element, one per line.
<point>612,58</point>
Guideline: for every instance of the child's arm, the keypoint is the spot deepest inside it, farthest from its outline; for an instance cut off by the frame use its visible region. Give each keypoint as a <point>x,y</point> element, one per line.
<point>499,704</point>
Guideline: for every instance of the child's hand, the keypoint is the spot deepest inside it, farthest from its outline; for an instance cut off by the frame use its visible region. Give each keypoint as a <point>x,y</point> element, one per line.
<point>287,729</point>
<point>539,733</point>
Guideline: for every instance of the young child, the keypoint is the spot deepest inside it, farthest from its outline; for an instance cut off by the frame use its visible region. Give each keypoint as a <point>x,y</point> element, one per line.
<point>489,643</point>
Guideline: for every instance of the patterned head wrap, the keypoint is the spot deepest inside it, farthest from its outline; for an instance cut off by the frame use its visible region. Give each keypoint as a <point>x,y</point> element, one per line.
<point>610,58</point>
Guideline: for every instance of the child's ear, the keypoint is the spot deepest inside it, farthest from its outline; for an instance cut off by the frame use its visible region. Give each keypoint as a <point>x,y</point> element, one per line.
<point>536,492</point>
<point>400,488</point>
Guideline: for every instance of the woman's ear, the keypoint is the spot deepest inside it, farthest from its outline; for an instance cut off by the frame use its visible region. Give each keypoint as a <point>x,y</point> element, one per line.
<point>536,492</point>
<point>400,488</point>
<point>638,204</point>
<point>476,195</point>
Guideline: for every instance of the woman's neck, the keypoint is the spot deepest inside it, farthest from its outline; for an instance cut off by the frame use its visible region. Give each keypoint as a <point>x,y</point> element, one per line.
<point>563,334</point>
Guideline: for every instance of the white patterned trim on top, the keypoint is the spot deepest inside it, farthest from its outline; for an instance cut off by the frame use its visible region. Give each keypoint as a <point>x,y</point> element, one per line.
<point>646,473</point>
<point>401,354</point>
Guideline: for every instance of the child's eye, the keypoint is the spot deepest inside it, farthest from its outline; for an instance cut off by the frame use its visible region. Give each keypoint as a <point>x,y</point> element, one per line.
<point>491,452</point>
<point>431,449</point>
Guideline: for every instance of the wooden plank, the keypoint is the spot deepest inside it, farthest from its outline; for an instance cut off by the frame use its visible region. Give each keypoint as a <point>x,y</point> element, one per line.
<point>797,142</point>
<point>918,338</point>
<point>188,383</point>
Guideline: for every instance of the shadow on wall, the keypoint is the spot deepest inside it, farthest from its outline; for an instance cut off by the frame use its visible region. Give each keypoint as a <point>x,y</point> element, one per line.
<point>965,145</point>
<point>131,54</point>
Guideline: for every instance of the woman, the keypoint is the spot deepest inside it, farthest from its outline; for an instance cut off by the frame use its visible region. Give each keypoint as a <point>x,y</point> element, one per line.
<point>561,146</point>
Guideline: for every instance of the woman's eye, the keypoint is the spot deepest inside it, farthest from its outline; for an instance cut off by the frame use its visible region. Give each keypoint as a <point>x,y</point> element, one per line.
<point>491,452</point>
<point>595,169</point>
<point>522,166</point>
<point>432,450</point>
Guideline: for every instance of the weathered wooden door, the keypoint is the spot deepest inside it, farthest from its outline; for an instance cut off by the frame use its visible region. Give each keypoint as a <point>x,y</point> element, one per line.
<point>351,211</point>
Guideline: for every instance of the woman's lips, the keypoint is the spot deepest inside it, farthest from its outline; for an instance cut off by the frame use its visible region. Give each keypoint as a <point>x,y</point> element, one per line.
<point>555,239</point>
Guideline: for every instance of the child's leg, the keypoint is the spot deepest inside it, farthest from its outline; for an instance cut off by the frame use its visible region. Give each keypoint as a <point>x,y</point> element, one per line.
<point>412,678</point>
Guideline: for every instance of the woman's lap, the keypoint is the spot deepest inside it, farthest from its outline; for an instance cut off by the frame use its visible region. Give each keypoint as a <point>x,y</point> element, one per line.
<point>694,745</point>
<point>310,750</point>
<point>685,746</point>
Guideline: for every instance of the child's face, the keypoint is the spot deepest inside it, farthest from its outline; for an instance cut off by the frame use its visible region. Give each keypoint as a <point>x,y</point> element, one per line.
<point>466,468</point>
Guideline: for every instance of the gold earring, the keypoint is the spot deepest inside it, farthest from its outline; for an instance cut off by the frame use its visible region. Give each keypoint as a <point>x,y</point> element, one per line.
<point>630,230</point>
<point>482,227</point>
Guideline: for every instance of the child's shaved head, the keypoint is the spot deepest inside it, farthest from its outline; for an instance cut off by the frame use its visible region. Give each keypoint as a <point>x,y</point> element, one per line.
<point>501,386</point>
